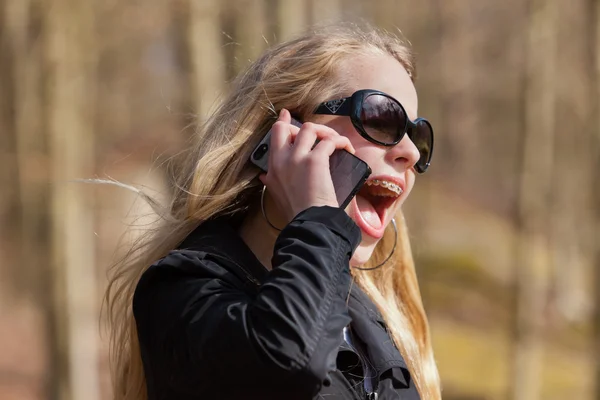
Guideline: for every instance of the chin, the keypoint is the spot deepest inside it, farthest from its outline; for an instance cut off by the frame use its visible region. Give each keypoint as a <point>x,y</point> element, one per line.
<point>362,254</point>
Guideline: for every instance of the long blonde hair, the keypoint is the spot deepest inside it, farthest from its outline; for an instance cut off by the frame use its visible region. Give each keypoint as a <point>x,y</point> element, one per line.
<point>216,178</point>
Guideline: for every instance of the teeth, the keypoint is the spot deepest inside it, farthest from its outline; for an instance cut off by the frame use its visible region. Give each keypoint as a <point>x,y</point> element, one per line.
<point>388,185</point>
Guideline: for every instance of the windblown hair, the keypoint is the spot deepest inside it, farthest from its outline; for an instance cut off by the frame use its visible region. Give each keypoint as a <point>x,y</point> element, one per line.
<point>216,179</point>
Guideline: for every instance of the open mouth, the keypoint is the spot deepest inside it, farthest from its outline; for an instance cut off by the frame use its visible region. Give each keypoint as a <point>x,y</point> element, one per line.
<point>373,203</point>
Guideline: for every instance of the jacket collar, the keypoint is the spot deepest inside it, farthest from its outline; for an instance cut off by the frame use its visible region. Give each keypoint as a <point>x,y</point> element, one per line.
<point>369,326</point>
<point>220,238</point>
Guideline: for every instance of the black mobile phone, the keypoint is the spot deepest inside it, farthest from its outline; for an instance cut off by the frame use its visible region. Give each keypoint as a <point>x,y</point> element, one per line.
<point>348,172</point>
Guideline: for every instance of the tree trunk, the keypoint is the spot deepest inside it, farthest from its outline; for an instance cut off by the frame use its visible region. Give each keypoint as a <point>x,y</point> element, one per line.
<point>23,22</point>
<point>325,12</point>
<point>206,54</point>
<point>9,183</point>
<point>462,144</point>
<point>70,57</point>
<point>250,26</point>
<point>596,263</point>
<point>573,238</point>
<point>292,18</point>
<point>596,194</point>
<point>385,14</point>
<point>532,264</point>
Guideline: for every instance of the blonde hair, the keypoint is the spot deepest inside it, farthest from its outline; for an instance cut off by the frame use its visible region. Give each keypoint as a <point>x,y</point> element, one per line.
<point>216,179</point>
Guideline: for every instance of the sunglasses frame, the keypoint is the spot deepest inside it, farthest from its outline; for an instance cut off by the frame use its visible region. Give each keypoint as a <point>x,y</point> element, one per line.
<point>351,106</point>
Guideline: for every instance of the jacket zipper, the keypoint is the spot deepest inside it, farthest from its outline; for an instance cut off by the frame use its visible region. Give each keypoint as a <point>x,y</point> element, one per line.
<point>369,394</point>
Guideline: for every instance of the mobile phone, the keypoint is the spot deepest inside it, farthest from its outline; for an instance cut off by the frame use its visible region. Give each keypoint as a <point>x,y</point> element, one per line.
<point>348,172</point>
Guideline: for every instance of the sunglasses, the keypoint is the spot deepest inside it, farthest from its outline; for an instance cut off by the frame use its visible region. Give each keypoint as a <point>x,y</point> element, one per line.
<point>382,120</point>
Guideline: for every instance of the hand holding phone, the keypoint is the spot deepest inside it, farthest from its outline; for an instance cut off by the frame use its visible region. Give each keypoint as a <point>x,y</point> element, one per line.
<point>307,174</point>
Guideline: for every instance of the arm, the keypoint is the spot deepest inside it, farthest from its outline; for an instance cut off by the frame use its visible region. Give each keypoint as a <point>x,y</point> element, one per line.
<point>285,339</point>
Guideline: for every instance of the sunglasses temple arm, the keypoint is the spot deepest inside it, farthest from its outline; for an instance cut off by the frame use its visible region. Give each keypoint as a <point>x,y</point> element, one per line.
<point>334,107</point>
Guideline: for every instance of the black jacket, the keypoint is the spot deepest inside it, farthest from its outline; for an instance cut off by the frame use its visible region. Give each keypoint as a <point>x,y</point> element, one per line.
<point>213,323</point>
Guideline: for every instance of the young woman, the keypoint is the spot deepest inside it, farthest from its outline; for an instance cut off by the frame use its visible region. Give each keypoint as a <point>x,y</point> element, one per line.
<point>258,286</point>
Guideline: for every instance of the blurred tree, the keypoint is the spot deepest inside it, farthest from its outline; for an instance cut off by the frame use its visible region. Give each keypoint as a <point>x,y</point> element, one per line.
<point>71,65</point>
<point>596,266</point>
<point>532,263</point>
<point>250,31</point>
<point>571,219</point>
<point>292,18</point>
<point>324,12</point>
<point>25,24</point>
<point>9,174</point>
<point>458,48</point>
<point>595,11</point>
<point>206,58</point>
<point>117,57</point>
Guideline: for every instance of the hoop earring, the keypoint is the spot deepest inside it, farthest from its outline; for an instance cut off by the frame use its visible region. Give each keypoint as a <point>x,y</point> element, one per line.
<point>262,208</point>
<point>389,256</point>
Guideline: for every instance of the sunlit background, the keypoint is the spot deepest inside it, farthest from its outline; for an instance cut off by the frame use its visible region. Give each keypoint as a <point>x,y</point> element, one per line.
<point>505,225</point>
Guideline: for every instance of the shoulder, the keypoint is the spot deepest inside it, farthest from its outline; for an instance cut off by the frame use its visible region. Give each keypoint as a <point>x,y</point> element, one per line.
<point>181,274</point>
<point>184,267</point>
<point>184,264</point>
<point>172,288</point>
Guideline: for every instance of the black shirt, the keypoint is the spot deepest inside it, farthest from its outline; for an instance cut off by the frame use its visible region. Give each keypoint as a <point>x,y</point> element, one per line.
<point>213,323</point>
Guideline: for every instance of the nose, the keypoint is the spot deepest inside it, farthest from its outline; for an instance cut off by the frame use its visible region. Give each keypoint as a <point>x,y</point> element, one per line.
<point>405,154</point>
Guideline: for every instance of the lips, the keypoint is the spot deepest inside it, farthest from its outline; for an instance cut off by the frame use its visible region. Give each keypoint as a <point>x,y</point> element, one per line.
<point>371,206</point>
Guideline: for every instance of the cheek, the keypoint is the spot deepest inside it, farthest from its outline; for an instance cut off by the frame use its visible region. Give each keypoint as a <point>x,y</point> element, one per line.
<point>410,177</point>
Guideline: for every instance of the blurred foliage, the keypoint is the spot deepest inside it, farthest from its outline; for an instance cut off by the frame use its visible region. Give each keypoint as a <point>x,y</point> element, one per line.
<point>456,286</point>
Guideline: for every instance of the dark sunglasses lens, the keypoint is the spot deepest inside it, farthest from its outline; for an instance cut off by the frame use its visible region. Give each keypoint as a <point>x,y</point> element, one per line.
<point>422,137</point>
<point>382,118</point>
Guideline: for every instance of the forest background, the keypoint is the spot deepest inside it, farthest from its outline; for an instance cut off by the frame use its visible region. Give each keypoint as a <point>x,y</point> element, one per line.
<point>505,225</point>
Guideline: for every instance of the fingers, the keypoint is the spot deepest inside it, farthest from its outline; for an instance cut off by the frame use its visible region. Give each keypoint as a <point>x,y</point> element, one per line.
<point>327,146</point>
<point>283,134</point>
<point>311,133</point>
<point>299,173</point>
<point>281,131</point>
<point>306,138</point>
